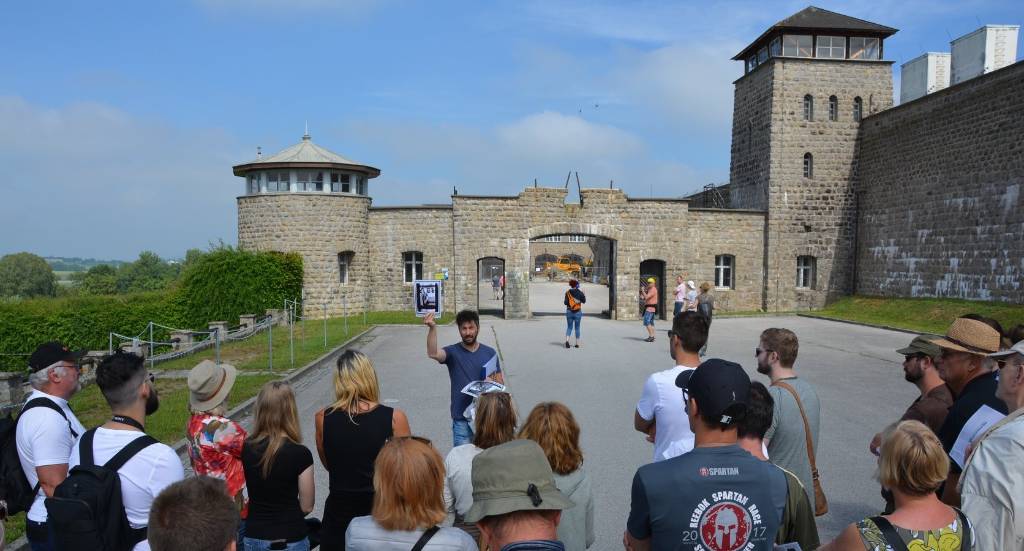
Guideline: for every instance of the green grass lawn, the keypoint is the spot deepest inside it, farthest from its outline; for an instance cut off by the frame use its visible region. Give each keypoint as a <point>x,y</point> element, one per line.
<point>927,315</point>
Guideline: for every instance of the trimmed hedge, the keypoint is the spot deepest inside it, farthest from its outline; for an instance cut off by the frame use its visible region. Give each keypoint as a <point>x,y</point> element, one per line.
<point>223,285</point>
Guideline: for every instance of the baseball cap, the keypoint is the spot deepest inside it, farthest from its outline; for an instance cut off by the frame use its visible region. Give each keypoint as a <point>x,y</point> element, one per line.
<point>1015,349</point>
<point>720,387</point>
<point>690,284</point>
<point>922,344</point>
<point>514,476</point>
<point>650,280</point>
<point>971,336</point>
<point>50,353</point>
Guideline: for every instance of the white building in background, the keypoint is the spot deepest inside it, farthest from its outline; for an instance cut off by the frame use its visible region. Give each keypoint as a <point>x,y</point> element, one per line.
<point>985,50</point>
<point>923,75</point>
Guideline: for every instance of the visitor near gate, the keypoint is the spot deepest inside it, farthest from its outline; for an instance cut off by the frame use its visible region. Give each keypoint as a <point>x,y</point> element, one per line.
<point>680,296</point>
<point>574,300</point>
<point>467,361</point>
<point>706,308</point>
<point>649,296</point>
<point>691,297</point>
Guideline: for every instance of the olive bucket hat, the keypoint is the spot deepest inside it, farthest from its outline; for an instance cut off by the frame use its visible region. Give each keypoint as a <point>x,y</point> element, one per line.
<point>514,476</point>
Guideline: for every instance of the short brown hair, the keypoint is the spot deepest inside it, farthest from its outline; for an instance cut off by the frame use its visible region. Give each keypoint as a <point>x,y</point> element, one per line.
<point>195,513</point>
<point>408,484</point>
<point>783,342</point>
<point>553,426</point>
<point>495,420</point>
<point>912,459</point>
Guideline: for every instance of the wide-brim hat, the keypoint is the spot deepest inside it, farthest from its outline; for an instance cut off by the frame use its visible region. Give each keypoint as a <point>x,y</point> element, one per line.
<point>1015,349</point>
<point>922,344</point>
<point>971,336</point>
<point>209,384</point>
<point>514,476</point>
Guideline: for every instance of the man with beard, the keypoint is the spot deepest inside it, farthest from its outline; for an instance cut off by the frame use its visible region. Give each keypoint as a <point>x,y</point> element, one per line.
<point>787,437</point>
<point>467,361</point>
<point>129,391</point>
<point>47,430</point>
<point>919,368</point>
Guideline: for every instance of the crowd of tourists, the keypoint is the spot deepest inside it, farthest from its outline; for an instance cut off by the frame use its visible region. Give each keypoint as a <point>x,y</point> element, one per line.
<point>733,466</point>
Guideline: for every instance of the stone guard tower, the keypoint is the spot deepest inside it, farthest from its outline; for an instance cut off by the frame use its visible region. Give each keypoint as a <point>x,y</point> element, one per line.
<point>309,200</point>
<point>808,81</point>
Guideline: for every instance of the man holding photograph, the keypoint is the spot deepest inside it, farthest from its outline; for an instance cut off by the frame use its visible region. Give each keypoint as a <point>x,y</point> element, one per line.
<point>467,361</point>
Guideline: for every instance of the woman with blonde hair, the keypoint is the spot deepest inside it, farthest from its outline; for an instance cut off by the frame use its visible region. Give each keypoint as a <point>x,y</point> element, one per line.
<point>349,434</point>
<point>553,427</point>
<point>278,473</point>
<point>495,423</point>
<point>407,508</point>
<point>912,464</point>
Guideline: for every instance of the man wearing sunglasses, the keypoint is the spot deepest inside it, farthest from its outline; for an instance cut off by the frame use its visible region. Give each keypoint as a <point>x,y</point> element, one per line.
<point>931,406</point>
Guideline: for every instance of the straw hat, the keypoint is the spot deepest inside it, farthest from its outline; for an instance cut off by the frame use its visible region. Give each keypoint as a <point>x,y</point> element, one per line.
<point>971,336</point>
<point>209,384</point>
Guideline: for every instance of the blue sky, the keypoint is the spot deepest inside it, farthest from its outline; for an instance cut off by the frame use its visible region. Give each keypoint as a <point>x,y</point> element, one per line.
<point>120,120</point>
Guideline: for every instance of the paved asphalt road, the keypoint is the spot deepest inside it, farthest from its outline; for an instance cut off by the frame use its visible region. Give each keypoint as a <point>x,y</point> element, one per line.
<point>855,369</point>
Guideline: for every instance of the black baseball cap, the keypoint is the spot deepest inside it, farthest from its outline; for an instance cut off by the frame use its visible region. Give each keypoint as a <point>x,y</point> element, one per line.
<point>50,353</point>
<point>720,387</point>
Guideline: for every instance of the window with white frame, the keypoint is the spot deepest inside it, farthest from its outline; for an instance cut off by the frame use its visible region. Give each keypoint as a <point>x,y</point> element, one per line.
<point>808,107</point>
<point>775,49</point>
<point>798,45</point>
<point>361,186</point>
<point>805,272</point>
<point>340,182</point>
<point>577,239</point>
<point>278,181</point>
<point>833,108</point>
<point>413,261</point>
<point>832,47</point>
<point>858,108</point>
<point>724,271</point>
<point>808,165</point>
<point>344,264</point>
<point>864,48</point>
<point>310,180</point>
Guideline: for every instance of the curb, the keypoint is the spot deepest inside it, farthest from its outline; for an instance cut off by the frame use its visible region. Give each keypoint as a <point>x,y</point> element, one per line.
<point>863,324</point>
<point>241,410</point>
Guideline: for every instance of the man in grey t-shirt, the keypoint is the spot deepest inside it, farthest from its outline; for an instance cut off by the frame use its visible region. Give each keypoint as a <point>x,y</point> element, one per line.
<point>787,442</point>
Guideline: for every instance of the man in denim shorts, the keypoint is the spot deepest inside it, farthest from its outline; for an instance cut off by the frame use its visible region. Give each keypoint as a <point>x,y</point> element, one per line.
<point>650,297</point>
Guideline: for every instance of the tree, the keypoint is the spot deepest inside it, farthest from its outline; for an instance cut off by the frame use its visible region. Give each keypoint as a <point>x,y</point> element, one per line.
<point>98,280</point>
<point>26,275</point>
<point>148,273</point>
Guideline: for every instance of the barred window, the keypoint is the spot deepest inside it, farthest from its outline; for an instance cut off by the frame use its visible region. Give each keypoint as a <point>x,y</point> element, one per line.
<point>344,263</point>
<point>833,108</point>
<point>413,261</point>
<point>724,271</point>
<point>808,165</point>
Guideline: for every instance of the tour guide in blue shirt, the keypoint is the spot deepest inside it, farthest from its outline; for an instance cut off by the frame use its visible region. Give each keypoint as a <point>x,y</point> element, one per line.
<point>716,497</point>
<point>467,361</point>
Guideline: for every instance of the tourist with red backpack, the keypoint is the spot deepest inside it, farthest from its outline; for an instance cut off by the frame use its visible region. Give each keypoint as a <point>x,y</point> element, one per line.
<point>574,299</point>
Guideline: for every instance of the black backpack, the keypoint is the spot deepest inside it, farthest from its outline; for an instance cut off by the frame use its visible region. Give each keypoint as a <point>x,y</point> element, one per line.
<point>14,487</point>
<point>86,511</point>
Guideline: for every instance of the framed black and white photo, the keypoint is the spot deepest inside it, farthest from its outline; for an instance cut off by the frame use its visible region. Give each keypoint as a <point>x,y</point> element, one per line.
<point>427,296</point>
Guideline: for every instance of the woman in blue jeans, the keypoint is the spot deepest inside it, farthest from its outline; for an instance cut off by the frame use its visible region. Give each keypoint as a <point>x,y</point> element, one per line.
<point>574,299</point>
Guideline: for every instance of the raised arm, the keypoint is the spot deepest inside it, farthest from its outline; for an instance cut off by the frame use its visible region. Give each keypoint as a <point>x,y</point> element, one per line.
<point>433,352</point>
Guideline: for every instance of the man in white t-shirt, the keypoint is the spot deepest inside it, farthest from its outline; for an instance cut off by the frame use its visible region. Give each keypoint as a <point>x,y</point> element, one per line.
<point>123,380</point>
<point>47,430</point>
<point>660,413</point>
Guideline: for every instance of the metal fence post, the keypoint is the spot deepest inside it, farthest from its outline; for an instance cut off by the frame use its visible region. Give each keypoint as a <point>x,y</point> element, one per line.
<point>344,312</point>
<point>216,343</point>
<point>325,326</point>
<point>152,346</point>
<point>291,334</point>
<point>270,345</point>
<point>110,343</point>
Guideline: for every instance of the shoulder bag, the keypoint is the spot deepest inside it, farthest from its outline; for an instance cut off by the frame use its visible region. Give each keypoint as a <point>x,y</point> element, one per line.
<point>820,502</point>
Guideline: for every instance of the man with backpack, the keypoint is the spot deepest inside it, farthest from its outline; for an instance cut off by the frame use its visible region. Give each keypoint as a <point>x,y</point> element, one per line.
<point>45,432</point>
<point>574,299</point>
<point>94,509</point>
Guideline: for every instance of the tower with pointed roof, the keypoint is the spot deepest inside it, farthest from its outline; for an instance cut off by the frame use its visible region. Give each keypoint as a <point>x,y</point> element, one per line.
<point>312,201</point>
<point>808,81</point>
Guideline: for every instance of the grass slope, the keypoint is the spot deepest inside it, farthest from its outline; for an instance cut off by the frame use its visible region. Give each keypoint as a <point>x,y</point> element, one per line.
<point>927,315</point>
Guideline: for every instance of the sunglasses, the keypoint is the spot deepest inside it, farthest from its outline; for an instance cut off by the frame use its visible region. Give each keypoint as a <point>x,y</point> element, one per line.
<point>758,351</point>
<point>910,357</point>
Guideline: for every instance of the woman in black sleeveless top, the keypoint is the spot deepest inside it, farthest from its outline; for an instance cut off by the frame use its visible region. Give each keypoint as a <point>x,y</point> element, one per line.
<point>349,434</point>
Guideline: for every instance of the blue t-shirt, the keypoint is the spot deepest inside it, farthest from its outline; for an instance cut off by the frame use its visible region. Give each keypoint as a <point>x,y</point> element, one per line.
<point>464,367</point>
<point>718,499</point>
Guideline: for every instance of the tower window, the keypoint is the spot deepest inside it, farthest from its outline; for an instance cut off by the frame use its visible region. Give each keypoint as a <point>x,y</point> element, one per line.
<point>723,271</point>
<point>762,55</point>
<point>808,107</point>
<point>832,47</point>
<point>775,49</point>
<point>310,180</point>
<point>806,268</point>
<point>808,165</point>
<point>278,181</point>
<point>798,45</point>
<point>858,108</point>
<point>340,182</point>
<point>344,263</point>
<point>833,108</point>
<point>864,48</point>
<point>413,261</point>
<point>254,184</point>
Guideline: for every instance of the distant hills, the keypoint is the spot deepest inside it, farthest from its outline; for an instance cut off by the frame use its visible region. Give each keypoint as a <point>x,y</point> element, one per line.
<point>75,264</point>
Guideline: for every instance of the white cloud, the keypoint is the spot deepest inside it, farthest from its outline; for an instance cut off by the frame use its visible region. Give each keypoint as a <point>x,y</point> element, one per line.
<point>548,136</point>
<point>88,179</point>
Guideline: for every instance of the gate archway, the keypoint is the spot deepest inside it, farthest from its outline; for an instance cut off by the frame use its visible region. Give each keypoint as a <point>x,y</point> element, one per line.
<point>490,279</point>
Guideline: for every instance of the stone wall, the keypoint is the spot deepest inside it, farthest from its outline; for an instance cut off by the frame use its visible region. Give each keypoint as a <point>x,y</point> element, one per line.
<point>941,212</point>
<point>396,230</point>
<point>812,216</point>
<point>728,232</point>
<point>318,226</point>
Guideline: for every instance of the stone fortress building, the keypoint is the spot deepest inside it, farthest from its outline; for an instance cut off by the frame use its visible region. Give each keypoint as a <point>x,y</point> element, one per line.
<point>832,191</point>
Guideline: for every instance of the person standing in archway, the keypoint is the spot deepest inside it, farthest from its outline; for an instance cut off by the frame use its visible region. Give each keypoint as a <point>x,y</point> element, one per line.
<point>650,298</point>
<point>574,299</point>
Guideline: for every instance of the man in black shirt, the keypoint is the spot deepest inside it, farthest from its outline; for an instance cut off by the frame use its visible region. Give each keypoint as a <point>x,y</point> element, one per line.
<point>967,370</point>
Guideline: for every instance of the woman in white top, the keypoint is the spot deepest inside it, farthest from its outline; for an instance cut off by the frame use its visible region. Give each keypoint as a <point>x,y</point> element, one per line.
<point>495,424</point>
<point>691,297</point>
<point>680,296</point>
